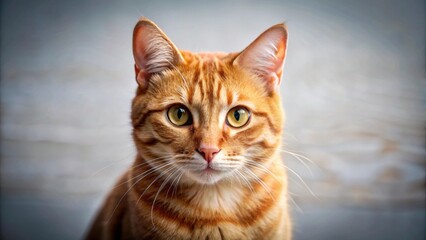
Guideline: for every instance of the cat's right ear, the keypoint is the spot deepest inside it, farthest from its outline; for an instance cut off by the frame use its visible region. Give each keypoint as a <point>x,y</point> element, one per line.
<point>153,51</point>
<point>265,56</point>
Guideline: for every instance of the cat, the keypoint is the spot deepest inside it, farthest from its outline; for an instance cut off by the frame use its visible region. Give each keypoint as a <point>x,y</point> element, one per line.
<point>207,128</point>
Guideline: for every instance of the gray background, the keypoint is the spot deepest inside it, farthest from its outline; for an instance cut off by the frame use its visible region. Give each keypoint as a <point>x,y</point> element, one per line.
<point>354,90</point>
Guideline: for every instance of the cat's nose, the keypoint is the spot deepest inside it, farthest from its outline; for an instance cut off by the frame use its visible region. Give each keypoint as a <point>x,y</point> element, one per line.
<point>208,152</point>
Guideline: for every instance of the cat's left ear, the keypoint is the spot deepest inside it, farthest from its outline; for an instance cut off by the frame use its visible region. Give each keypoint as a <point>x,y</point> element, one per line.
<point>265,56</point>
<point>153,52</point>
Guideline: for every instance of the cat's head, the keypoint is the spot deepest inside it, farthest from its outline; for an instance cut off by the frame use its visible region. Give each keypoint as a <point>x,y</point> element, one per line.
<point>207,117</point>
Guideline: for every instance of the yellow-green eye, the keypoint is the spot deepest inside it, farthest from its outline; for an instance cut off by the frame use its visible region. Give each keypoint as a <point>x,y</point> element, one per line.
<point>238,117</point>
<point>179,115</point>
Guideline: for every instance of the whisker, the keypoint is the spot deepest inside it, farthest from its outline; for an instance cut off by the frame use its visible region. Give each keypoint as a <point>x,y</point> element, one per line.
<point>177,184</point>
<point>295,203</point>
<point>261,182</point>
<point>245,180</point>
<point>304,183</point>
<point>173,182</point>
<point>158,191</point>
<point>300,160</point>
<point>300,156</point>
<point>299,177</point>
<point>148,161</point>
<point>142,175</point>
<point>261,167</point>
<point>122,197</point>
<point>158,177</point>
<point>111,164</point>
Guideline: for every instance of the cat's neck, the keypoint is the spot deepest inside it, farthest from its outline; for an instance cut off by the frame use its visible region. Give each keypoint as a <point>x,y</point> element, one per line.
<point>222,196</point>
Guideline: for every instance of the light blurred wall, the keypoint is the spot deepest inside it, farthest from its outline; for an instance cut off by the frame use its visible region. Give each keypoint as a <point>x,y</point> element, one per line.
<point>354,91</point>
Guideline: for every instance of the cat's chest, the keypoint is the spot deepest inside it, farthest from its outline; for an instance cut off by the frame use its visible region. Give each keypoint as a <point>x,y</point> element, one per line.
<point>224,199</point>
<point>208,212</point>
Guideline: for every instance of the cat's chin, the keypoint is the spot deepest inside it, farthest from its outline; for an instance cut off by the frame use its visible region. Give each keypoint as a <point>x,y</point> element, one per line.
<point>207,176</point>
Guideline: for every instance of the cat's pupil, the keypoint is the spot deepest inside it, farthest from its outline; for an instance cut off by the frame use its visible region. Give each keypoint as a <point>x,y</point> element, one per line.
<point>180,112</point>
<point>237,115</point>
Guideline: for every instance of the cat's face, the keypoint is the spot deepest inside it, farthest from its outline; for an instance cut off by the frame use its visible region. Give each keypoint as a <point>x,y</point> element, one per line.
<point>207,117</point>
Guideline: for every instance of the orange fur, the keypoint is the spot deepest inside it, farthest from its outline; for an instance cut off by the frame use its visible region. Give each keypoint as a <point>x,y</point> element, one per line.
<point>161,196</point>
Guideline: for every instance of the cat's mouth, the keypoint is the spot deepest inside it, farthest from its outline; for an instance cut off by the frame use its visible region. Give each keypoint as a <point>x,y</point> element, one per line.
<point>209,174</point>
<point>210,170</point>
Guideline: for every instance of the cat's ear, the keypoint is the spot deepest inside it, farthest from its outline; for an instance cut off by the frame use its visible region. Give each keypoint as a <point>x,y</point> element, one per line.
<point>265,56</point>
<point>153,51</point>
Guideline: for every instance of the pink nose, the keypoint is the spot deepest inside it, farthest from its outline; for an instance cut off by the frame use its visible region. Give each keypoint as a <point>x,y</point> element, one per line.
<point>208,152</point>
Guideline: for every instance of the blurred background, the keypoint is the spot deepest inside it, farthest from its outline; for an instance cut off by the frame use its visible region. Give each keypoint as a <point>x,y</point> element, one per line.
<point>354,91</point>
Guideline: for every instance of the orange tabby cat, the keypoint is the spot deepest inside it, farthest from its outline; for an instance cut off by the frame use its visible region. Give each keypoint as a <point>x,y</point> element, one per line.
<point>207,128</point>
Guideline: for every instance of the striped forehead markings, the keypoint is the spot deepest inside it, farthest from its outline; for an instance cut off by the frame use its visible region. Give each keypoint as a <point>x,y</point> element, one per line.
<point>207,90</point>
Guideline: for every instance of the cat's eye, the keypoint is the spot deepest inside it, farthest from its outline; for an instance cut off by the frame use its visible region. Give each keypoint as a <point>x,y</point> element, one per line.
<point>179,115</point>
<point>237,117</point>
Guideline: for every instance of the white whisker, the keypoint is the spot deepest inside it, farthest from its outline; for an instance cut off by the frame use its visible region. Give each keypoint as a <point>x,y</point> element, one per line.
<point>158,191</point>
<point>261,182</point>
<point>122,197</point>
<point>304,183</point>
<point>245,180</point>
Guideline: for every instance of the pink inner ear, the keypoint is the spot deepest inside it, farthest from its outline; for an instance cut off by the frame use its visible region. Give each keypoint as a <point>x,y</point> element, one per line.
<point>140,41</point>
<point>152,50</point>
<point>265,56</point>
